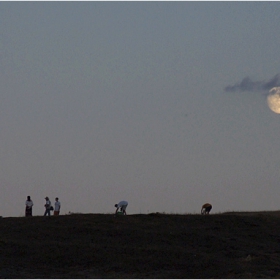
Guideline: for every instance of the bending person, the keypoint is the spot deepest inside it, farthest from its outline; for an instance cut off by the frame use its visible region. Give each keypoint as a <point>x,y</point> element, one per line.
<point>122,206</point>
<point>206,208</point>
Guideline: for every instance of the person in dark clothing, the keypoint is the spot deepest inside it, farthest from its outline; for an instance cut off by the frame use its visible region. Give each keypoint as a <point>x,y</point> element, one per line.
<point>47,206</point>
<point>206,208</point>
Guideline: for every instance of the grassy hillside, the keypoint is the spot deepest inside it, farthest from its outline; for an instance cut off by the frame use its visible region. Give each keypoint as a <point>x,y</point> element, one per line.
<point>230,245</point>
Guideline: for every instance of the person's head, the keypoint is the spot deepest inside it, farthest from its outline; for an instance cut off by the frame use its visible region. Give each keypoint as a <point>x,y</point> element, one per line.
<point>116,205</point>
<point>28,198</point>
<point>56,198</point>
<point>46,198</point>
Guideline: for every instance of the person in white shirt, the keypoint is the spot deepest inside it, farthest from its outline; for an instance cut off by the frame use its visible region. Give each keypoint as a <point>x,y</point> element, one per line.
<point>47,206</point>
<point>122,206</point>
<point>28,207</point>
<point>56,207</point>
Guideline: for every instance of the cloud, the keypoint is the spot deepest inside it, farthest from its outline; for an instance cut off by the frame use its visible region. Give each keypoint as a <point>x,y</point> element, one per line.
<point>248,85</point>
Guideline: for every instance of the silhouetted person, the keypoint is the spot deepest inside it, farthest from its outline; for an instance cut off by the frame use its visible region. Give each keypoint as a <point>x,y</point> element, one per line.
<point>56,207</point>
<point>28,207</point>
<point>206,208</point>
<point>48,207</point>
<point>122,206</point>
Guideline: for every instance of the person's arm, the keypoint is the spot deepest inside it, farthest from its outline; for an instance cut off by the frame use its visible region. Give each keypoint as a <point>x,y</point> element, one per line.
<point>117,210</point>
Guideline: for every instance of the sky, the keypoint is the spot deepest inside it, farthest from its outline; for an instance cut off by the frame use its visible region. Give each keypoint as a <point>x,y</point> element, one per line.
<point>162,104</point>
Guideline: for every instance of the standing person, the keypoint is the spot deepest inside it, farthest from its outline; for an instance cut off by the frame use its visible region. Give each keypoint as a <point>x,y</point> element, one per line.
<point>48,207</point>
<point>206,208</point>
<point>56,207</point>
<point>122,205</point>
<point>28,207</point>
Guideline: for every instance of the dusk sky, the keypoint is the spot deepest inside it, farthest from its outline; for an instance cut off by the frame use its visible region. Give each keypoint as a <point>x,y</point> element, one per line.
<point>162,104</point>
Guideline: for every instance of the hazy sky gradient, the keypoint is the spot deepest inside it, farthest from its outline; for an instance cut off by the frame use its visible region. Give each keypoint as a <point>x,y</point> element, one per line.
<point>110,101</point>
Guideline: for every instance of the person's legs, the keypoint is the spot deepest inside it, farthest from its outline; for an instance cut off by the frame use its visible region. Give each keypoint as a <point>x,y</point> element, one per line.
<point>28,212</point>
<point>123,209</point>
<point>208,209</point>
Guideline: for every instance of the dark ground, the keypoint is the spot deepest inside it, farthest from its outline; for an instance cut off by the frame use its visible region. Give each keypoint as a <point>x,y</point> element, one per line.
<point>229,245</point>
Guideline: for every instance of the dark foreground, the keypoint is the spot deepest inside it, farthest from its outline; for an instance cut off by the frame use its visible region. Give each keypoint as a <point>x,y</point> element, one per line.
<point>230,245</point>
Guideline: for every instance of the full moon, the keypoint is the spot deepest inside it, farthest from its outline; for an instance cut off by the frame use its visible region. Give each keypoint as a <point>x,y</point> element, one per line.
<point>273,100</point>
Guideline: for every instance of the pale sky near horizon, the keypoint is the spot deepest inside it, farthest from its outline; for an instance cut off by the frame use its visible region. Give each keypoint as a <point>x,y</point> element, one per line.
<point>139,101</point>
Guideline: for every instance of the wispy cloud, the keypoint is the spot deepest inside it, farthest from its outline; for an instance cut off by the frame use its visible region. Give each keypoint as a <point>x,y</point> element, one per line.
<point>248,85</point>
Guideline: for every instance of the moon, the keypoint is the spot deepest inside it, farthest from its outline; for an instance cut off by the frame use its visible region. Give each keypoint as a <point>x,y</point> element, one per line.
<point>273,100</point>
